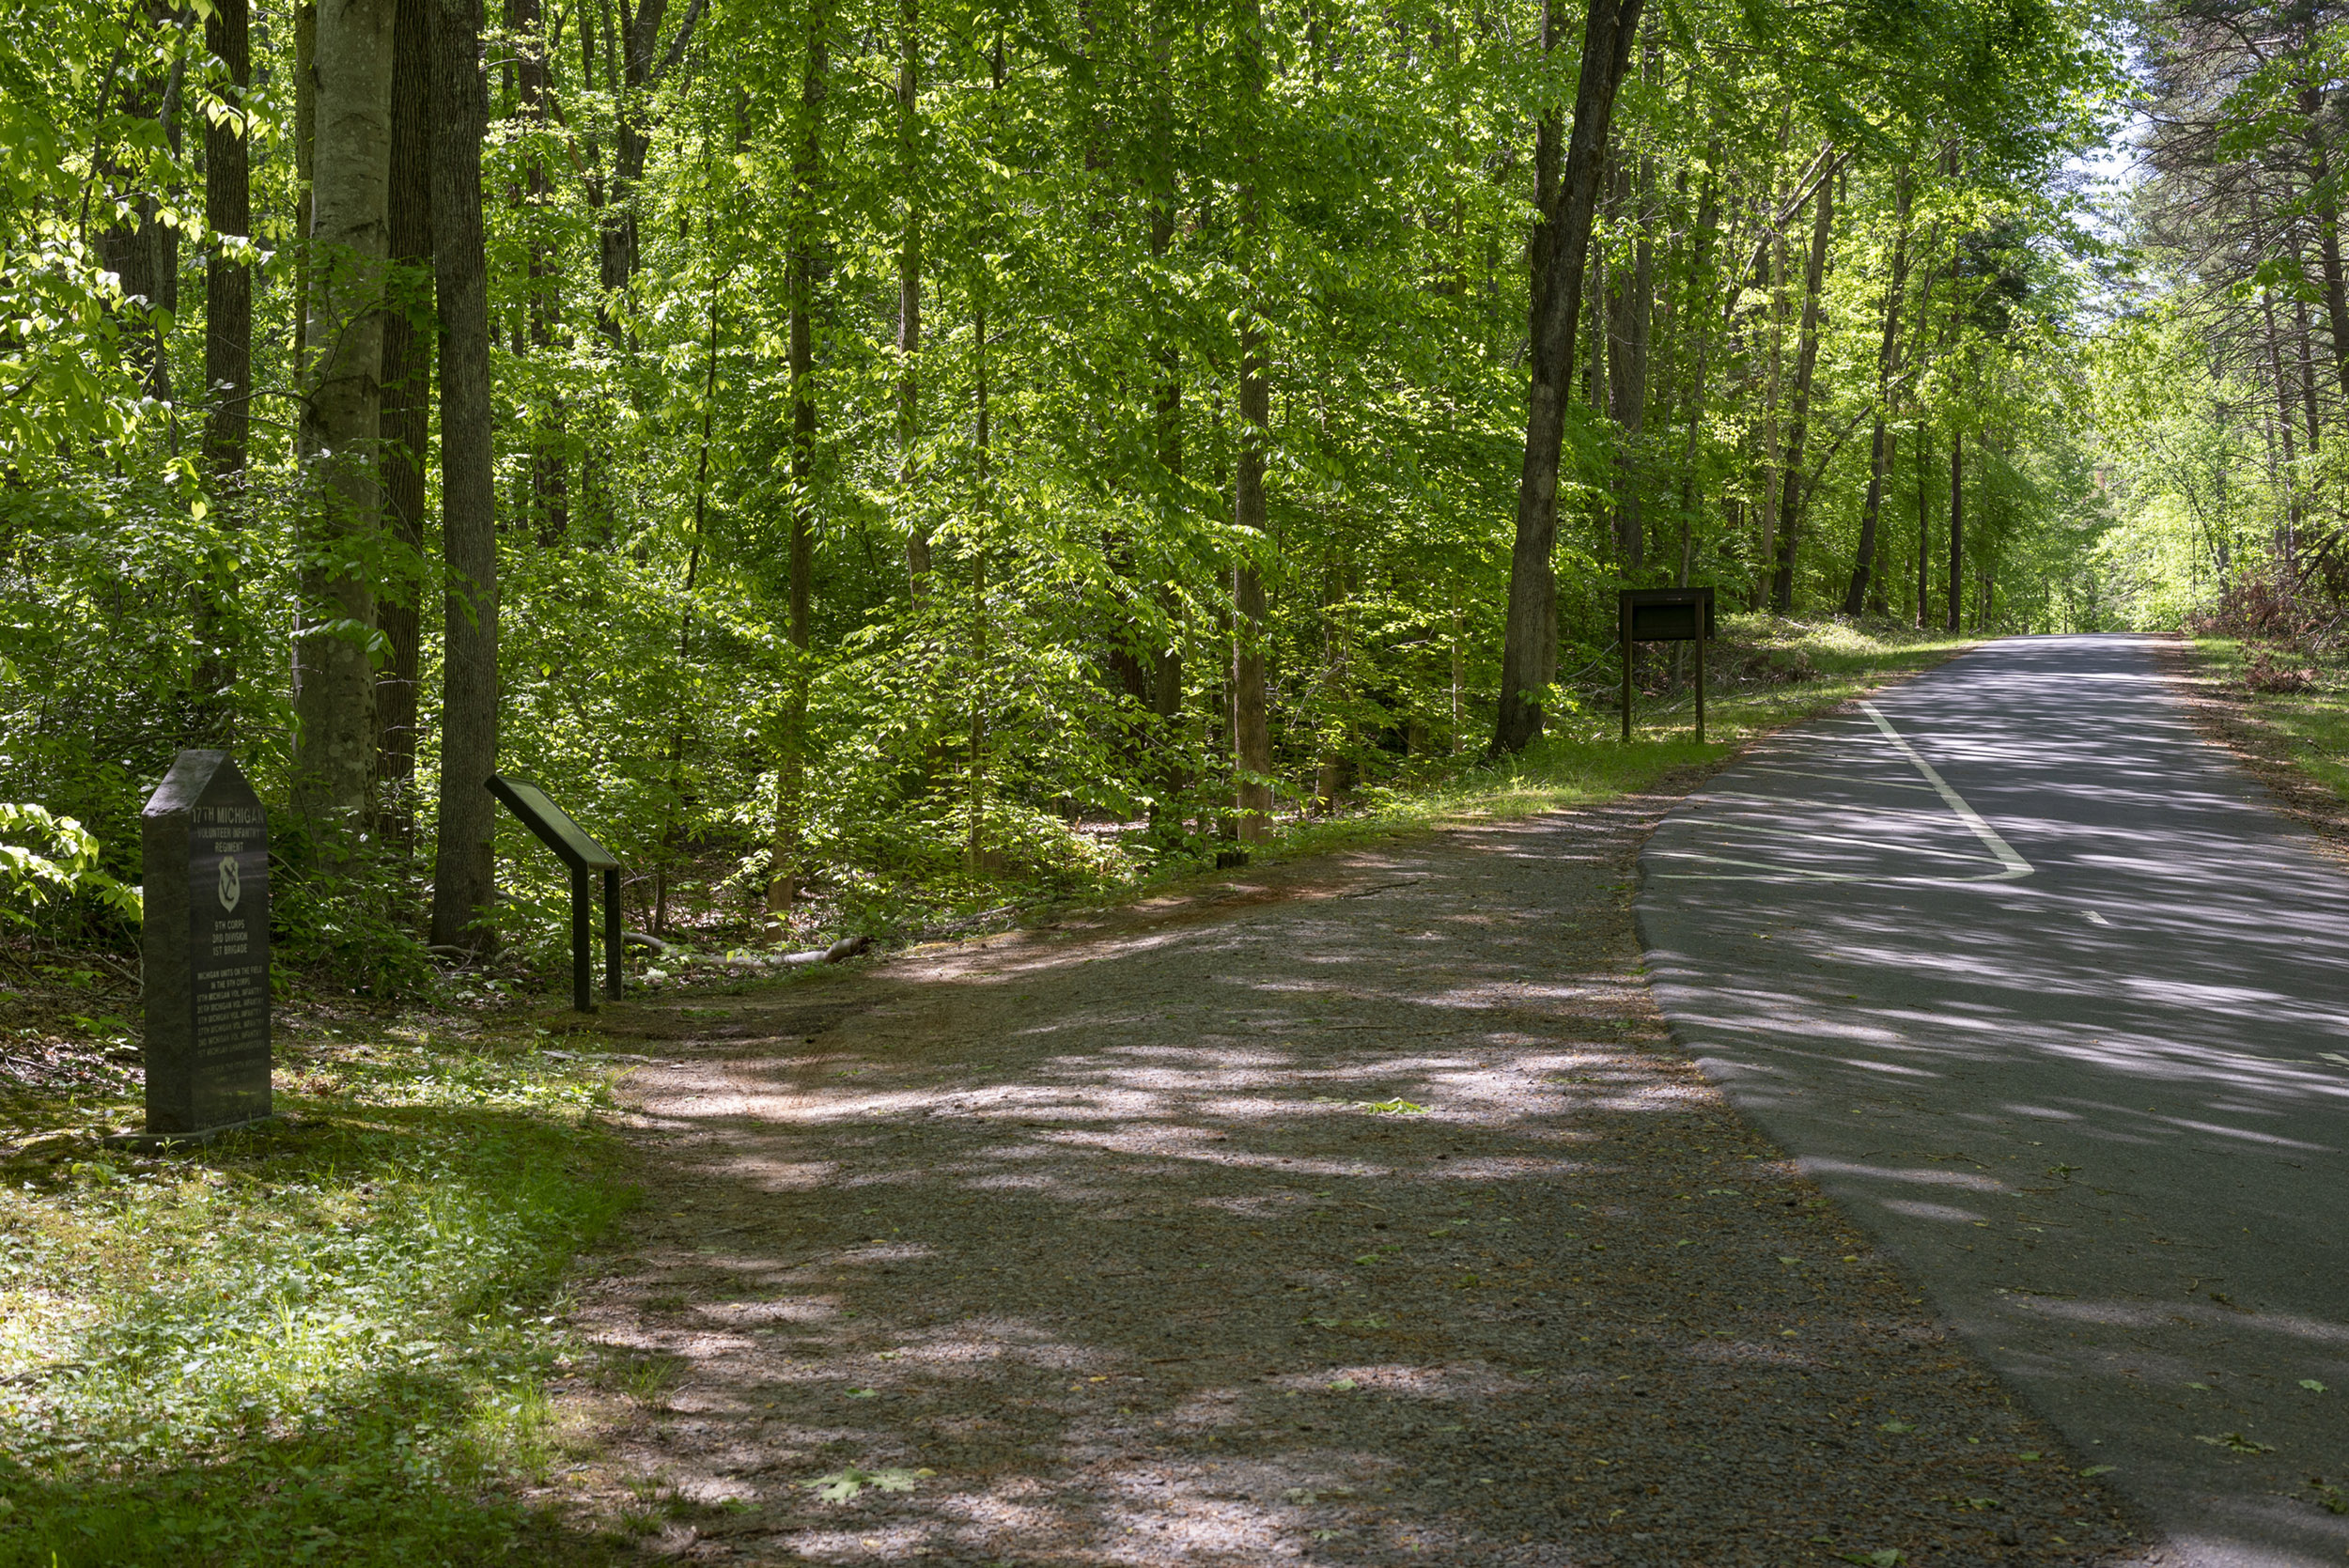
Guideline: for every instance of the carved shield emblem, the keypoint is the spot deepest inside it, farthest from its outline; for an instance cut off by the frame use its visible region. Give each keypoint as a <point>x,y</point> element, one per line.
<point>231,883</point>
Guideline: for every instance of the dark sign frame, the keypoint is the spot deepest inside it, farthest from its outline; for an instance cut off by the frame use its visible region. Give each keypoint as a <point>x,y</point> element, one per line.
<point>1664,616</point>
<point>530,802</point>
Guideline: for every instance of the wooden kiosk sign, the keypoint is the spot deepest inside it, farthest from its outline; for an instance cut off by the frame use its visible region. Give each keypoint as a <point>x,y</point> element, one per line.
<point>204,947</point>
<point>583,854</point>
<point>1664,616</point>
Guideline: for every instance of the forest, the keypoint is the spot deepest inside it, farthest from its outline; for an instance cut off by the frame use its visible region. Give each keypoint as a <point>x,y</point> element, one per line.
<point>1107,519</point>
<point>857,454</point>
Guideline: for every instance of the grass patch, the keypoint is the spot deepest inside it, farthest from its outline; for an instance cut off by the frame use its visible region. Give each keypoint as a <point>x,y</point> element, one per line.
<point>2306,731</point>
<point>1764,673</point>
<point>328,1339</point>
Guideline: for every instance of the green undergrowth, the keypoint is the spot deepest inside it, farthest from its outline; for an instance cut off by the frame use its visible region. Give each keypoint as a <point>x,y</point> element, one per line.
<point>1764,673</point>
<point>2308,729</point>
<point>325,1340</point>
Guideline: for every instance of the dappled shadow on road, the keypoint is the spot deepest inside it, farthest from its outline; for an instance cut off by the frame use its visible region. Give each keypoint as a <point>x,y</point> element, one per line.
<point>2104,1107</point>
<point>1364,1216</point>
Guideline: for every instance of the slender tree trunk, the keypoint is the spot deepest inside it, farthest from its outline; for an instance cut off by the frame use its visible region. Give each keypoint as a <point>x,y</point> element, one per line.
<point>305,164</point>
<point>1957,525</point>
<point>2325,204</point>
<point>1888,361</point>
<point>1528,652</point>
<point>1252,731</point>
<point>2306,354</point>
<point>1334,775</point>
<point>2290,543</point>
<point>161,239</point>
<point>680,733</point>
<point>1166,674</point>
<point>1601,351</point>
<point>909,297</point>
<point>405,431</point>
<point>227,357</point>
<point>1925,548</point>
<point>1806,363</point>
<point>974,838</point>
<point>640,67</point>
<point>133,251</point>
<point>1632,310</point>
<point>464,881</point>
<point>1879,579</point>
<point>343,505</point>
<point>1771,255</point>
<point>1700,286</point>
<point>807,169</point>
<point>550,467</point>
<point>976,856</point>
<point>1773,434</point>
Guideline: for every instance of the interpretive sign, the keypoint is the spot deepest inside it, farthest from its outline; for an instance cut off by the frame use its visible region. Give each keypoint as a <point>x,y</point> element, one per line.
<point>1664,616</point>
<point>206,949</point>
<point>583,855</point>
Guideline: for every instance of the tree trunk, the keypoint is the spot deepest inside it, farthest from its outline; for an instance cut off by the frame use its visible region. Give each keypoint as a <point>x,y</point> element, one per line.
<point>343,505</point>
<point>1334,774</point>
<point>909,297</point>
<point>2290,544</point>
<point>974,855</point>
<point>1888,361</point>
<point>799,283</point>
<point>407,404</point>
<point>161,240</point>
<point>1925,548</point>
<point>1166,674</point>
<point>1252,731</point>
<point>549,469</point>
<point>1773,434</point>
<point>1957,525</point>
<point>228,354</point>
<point>2307,354</point>
<point>1632,309</point>
<point>2326,203</point>
<point>136,251</point>
<point>1771,254</point>
<point>1699,284</point>
<point>305,165</point>
<point>464,881</point>
<point>1799,425</point>
<point>640,71</point>
<point>1529,651</point>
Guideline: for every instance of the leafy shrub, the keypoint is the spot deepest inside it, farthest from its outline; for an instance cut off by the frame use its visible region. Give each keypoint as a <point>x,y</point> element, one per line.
<point>34,884</point>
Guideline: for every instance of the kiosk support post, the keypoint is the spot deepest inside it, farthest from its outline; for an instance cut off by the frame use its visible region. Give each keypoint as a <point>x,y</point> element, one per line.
<point>1623,626</point>
<point>1700,696</point>
<point>583,997</point>
<point>612,949</point>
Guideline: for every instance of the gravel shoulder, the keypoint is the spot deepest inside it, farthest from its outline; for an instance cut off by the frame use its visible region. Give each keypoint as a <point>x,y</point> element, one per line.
<point>1360,1211</point>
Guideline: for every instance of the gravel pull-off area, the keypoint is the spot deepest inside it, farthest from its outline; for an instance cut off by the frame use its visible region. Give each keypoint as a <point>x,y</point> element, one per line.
<point>1358,1211</point>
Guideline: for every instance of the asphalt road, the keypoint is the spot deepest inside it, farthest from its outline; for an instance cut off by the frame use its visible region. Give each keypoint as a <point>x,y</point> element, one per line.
<point>2037,984</point>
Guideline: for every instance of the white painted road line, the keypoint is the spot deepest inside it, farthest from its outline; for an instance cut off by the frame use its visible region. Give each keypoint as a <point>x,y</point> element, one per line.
<point>2015,865</point>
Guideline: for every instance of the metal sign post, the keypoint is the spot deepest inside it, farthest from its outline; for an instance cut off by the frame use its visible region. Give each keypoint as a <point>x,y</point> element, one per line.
<point>1663,616</point>
<point>583,854</point>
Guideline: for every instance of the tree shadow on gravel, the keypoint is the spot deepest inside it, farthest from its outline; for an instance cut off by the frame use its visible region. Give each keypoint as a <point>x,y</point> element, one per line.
<point>1363,1214</point>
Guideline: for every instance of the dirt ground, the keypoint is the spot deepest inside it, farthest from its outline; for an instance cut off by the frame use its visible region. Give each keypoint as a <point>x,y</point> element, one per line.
<point>1356,1212</point>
